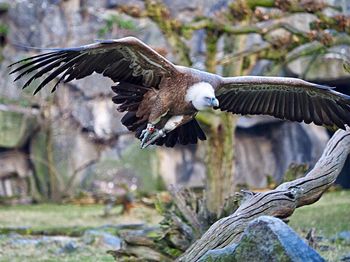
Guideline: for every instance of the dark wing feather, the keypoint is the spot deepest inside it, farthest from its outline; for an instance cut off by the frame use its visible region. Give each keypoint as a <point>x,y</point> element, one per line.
<point>126,59</point>
<point>286,98</point>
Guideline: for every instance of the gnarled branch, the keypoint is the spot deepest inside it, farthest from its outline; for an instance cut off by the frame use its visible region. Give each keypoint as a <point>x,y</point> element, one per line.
<point>280,202</point>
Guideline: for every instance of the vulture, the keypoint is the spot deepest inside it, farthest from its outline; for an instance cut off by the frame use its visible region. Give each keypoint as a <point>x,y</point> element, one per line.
<point>161,99</point>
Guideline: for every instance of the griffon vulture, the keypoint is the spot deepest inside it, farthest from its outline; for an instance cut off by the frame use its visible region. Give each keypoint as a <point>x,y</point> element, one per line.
<point>162,99</point>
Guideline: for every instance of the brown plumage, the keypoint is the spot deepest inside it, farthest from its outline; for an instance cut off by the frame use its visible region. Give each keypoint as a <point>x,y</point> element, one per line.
<point>161,99</point>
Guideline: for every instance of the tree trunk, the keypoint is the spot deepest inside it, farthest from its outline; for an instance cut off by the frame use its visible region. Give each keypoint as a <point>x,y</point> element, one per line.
<point>280,202</point>
<point>219,160</point>
<point>54,185</point>
<point>220,144</point>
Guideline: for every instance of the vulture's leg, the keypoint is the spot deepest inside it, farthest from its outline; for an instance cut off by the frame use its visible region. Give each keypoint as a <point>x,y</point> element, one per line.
<point>156,115</point>
<point>146,133</point>
<point>155,135</point>
<point>171,124</point>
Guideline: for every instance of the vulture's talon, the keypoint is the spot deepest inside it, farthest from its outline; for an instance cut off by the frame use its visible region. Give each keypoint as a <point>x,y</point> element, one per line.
<point>157,134</point>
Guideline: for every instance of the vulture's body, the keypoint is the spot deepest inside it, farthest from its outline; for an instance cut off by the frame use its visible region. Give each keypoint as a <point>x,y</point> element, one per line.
<point>162,99</point>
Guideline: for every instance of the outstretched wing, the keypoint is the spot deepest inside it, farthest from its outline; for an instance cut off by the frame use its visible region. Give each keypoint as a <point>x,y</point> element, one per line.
<point>286,98</point>
<point>126,59</point>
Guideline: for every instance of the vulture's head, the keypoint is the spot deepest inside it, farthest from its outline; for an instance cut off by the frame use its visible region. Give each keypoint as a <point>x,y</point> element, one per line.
<point>202,96</point>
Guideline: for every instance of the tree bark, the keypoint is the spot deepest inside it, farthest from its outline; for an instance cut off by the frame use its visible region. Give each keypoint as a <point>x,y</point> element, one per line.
<point>220,145</point>
<point>219,161</point>
<point>280,202</point>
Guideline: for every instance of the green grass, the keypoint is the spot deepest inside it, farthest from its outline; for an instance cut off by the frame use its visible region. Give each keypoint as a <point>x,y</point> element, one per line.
<point>49,254</point>
<point>65,219</point>
<point>52,215</point>
<point>329,216</point>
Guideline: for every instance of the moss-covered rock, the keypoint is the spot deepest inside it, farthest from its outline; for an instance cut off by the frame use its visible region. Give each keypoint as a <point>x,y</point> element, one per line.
<point>131,167</point>
<point>266,239</point>
<point>16,125</point>
<point>60,153</point>
<point>225,254</point>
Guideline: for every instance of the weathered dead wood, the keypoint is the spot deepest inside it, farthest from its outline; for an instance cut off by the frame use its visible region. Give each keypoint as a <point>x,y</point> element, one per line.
<point>186,202</point>
<point>280,202</point>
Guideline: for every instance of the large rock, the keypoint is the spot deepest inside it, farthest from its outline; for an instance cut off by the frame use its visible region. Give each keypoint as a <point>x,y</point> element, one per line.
<point>14,163</point>
<point>266,239</point>
<point>15,172</point>
<point>128,166</point>
<point>266,148</point>
<point>16,125</point>
<point>60,156</point>
<point>185,10</point>
<point>101,238</point>
<point>180,166</point>
<point>97,115</point>
<point>327,67</point>
<point>76,161</point>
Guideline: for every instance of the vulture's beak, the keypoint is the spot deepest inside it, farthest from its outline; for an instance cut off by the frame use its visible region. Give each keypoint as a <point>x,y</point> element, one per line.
<point>214,102</point>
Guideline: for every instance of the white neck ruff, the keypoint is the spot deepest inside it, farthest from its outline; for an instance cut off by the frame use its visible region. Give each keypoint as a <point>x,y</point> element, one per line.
<point>196,94</point>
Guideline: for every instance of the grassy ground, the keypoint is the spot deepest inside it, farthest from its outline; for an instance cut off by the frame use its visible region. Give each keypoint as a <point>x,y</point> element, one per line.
<point>49,254</point>
<point>50,215</point>
<point>329,216</point>
<point>64,218</point>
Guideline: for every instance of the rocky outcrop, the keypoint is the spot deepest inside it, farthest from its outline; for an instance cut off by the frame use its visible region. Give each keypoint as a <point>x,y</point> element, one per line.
<point>79,138</point>
<point>15,172</point>
<point>268,146</point>
<point>266,239</point>
<point>17,124</point>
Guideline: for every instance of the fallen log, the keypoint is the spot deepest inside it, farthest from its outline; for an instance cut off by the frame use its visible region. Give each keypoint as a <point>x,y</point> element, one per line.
<point>280,202</point>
